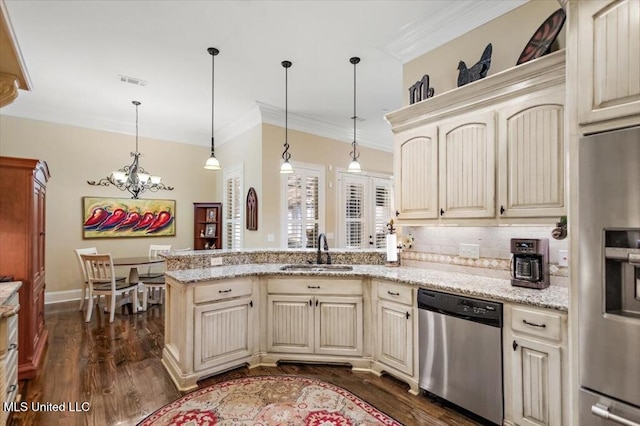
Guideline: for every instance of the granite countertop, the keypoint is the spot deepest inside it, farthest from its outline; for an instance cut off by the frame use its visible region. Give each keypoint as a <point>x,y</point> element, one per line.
<point>7,289</point>
<point>553,297</point>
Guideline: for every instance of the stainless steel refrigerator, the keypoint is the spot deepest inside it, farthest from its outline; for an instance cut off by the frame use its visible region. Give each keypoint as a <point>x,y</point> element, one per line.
<point>609,278</point>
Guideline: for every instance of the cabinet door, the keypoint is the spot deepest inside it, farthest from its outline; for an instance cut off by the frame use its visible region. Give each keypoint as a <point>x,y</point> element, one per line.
<point>537,383</point>
<point>532,152</point>
<point>394,336</point>
<point>338,325</point>
<point>290,324</point>
<point>221,332</point>
<point>416,171</point>
<point>467,167</point>
<point>608,63</point>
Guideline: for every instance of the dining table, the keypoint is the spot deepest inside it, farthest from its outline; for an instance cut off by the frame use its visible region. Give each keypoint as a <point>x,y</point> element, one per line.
<point>133,263</point>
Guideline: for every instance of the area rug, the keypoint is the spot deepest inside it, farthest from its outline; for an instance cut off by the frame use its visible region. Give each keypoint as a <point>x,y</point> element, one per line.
<point>269,400</point>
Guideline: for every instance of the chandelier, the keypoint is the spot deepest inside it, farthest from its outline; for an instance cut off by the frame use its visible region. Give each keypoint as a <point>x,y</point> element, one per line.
<point>133,178</point>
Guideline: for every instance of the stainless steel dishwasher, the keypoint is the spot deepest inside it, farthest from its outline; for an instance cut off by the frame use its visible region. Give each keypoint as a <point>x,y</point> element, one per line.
<point>460,345</point>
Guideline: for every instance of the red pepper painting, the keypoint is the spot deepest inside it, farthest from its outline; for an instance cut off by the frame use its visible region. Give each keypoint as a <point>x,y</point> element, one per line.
<point>98,215</point>
<point>130,221</point>
<point>118,217</point>
<point>146,220</point>
<point>161,221</point>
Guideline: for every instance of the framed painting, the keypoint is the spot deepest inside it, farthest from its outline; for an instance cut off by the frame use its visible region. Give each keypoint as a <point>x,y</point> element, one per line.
<point>210,230</point>
<point>125,217</point>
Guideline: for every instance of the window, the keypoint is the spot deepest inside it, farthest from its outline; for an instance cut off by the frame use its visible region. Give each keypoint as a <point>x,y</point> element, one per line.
<point>303,205</point>
<point>365,207</point>
<point>233,211</point>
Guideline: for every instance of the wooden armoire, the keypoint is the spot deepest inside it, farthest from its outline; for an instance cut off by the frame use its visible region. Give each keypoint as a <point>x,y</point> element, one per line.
<point>22,246</point>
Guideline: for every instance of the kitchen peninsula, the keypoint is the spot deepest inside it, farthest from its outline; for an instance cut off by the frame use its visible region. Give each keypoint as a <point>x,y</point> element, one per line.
<point>250,311</point>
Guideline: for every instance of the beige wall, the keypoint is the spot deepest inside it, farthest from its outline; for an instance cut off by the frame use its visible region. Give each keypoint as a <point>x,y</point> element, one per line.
<point>308,148</point>
<point>245,149</point>
<point>75,155</point>
<point>508,35</point>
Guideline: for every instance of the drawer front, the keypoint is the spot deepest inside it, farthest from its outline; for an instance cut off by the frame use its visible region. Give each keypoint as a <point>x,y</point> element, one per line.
<point>396,292</point>
<point>222,290</point>
<point>537,323</point>
<point>315,286</point>
<point>11,369</point>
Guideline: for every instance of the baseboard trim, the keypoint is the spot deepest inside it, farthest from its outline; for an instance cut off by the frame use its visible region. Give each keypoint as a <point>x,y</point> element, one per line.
<point>62,296</point>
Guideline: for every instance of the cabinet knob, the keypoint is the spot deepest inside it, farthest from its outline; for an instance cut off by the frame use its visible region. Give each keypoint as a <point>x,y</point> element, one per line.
<point>502,210</point>
<point>515,345</point>
<point>407,315</point>
<point>251,303</point>
<point>310,302</point>
<point>12,388</point>
<point>397,213</point>
<point>12,347</point>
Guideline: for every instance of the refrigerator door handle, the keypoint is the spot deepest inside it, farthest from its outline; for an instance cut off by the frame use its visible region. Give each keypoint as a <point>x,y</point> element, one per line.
<point>602,411</point>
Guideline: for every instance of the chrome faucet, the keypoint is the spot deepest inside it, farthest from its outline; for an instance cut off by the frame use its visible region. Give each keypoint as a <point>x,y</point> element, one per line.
<point>326,249</point>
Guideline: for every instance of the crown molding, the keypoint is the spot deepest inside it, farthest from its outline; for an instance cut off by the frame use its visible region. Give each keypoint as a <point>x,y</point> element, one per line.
<point>428,32</point>
<point>269,114</point>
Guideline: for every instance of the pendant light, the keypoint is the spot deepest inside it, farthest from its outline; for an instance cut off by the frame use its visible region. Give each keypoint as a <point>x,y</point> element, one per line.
<point>286,166</point>
<point>354,165</point>
<point>212,162</point>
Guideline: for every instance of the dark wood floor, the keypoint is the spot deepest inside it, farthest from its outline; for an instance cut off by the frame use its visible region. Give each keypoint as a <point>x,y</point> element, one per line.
<point>116,369</point>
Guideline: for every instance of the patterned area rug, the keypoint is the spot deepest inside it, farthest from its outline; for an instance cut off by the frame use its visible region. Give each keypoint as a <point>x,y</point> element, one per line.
<point>270,400</point>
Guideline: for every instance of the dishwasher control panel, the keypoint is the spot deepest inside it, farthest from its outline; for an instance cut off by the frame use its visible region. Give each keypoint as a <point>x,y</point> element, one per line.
<point>476,310</point>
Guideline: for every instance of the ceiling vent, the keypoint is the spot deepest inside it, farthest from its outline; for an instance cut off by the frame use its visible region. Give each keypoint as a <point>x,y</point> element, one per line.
<point>132,80</point>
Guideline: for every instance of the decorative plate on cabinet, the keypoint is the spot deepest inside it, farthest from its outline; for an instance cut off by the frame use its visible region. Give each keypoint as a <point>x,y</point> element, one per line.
<point>543,37</point>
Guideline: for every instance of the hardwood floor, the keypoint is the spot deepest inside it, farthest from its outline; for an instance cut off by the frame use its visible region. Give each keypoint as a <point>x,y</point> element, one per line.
<point>116,369</point>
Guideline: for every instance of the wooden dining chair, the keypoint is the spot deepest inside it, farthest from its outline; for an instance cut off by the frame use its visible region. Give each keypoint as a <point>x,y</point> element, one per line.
<point>83,271</point>
<point>154,250</point>
<point>102,282</point>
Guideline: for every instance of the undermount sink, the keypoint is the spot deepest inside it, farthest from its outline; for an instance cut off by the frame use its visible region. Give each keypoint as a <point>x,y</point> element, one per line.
<point>316,268</point>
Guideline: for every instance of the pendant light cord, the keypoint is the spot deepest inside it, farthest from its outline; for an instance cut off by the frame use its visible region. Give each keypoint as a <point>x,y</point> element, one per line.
<point>136,103</point>
<point>213,52</point>
<point>213,68</point>
<point>286,155</point>
<point>354,153</point>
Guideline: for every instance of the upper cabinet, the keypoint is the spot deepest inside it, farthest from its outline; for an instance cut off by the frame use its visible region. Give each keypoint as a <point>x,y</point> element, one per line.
<point>416,165</point>
<point>489,152</point>
<point>607,62</point>
<point>467,166</point>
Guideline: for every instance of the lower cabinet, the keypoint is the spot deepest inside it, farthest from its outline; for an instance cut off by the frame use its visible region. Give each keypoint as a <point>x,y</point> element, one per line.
<point>209,328</point>
<point>9,354</point>
<point>396,346</point>
<point>535,360</point>
<point>223,330</point>
<point>325,317</point>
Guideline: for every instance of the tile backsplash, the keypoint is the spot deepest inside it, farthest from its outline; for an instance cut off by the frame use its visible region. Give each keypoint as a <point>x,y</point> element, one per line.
<point>441,245</point>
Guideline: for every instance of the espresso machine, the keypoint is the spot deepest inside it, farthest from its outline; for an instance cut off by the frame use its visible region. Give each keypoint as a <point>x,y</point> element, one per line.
<point>530,262</point>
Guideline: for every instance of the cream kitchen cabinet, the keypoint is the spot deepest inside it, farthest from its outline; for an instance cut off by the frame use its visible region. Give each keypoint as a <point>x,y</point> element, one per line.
<point>315,316</point>
<point>395,346</point>
<point>535,367</point>
<point>500,150</point>
<point>416,163</point>
<point>531,176</point>
<point>209,327</point>
<point>607,63</point>
<point>467,166</point>
<point>9,353</point>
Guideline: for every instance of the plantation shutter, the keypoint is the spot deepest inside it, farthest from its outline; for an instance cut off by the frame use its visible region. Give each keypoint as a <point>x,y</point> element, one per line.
<point>233,209</point>
<point>303,209</point>
<point>355,211</point>
<point>383,209</point>
<point>365,207</point>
